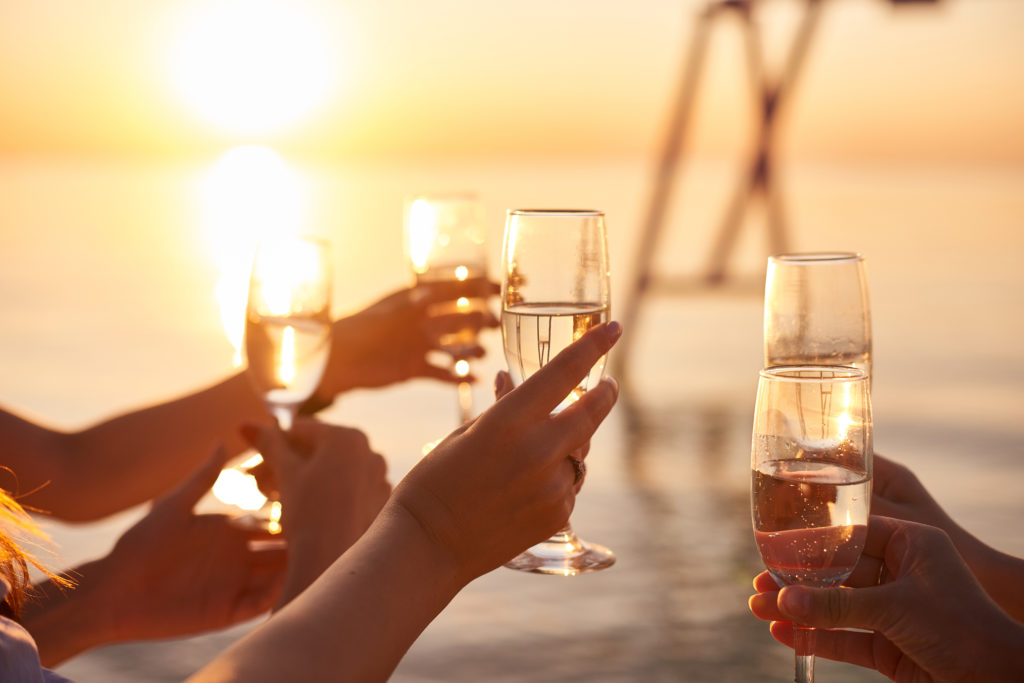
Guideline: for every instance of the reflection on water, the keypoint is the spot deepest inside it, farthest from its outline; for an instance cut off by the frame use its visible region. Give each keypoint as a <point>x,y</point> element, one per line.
<point>126,314</point>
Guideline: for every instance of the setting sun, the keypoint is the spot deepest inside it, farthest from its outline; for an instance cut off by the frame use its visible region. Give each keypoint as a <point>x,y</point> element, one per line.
<point>253,66</point>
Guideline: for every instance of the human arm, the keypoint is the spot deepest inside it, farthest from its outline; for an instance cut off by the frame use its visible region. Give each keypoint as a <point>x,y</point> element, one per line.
<point>120,462</point>
<point>897,492</point>
<point>926,616</point>
<point>173,573</point>
<point>484,494</point>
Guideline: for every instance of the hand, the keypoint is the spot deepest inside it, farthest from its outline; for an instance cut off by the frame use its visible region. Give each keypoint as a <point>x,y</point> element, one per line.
<point>332,486</point>
<point>929,619</point>
<point>898,493</point>
<point>389,341</point>
<point>177,573</point>
<point>504,482</point>
<point>503,385</point>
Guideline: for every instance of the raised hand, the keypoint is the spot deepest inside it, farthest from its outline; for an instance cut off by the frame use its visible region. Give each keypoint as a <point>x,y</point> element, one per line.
<point>928,618</point>
<point>389,341</point>
<point>518,453</point>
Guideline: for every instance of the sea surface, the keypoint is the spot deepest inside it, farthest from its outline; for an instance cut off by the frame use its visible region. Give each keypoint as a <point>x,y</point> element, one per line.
<point>108,293</point>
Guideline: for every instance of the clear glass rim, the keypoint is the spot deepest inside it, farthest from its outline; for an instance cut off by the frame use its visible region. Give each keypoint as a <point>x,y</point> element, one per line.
<point>445,196</point>
<point>802,374</point>
<point>555,212</point>
<point>812,257</point>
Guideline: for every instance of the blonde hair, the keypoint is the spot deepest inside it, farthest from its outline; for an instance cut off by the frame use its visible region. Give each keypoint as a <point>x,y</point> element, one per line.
<point>17,529</point>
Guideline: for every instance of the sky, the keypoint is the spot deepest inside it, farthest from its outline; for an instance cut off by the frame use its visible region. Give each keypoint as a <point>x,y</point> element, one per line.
<point>353,78</point>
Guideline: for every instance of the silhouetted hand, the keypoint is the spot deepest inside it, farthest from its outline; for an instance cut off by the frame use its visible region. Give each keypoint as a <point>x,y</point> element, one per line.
<point>897,492</point>
<point>389,341</point>
<point>929,619</point>
<point>332,486</point>
<point>178,573</point>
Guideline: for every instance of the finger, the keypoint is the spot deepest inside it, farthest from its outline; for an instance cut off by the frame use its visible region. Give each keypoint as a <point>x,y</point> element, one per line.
<point>549,386</point>
<point>765,606</point>
<point>188,493</point>
<point>869,650</point>
<point>880,532</point>
<point>765,582</point>
<point>429,371</point>
<point>866,572</point>
<point>447,323</point>
<point>446,290</point>
<point>840,607</point>
<point>571,429</point>
<point>502,384</point>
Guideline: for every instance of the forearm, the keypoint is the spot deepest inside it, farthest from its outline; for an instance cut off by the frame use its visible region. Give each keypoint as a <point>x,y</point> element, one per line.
<point>1001,575</point>
<point>358,619</point>
<point>65,623</point>
<point>137,456</point>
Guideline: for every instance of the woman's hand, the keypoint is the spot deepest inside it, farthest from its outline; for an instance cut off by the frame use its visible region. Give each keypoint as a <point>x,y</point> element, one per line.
<point>332,486</point>
<point>927,617</point>
<point>389,341</point>
<point>505,482</point>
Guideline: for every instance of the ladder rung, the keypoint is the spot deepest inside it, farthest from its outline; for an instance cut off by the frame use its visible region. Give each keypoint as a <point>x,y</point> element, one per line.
<point>703,284</point>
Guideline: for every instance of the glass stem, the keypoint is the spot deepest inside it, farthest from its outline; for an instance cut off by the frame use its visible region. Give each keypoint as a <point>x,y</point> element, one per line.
<point>285,416</point>
<point>803,646</point>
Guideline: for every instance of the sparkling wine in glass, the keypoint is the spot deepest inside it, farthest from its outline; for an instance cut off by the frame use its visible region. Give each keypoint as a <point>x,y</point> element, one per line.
<point>810,491</point>
<point>446,241</point>
<point>555,286</point>
<point>287,344</point>
<point>816,310</point>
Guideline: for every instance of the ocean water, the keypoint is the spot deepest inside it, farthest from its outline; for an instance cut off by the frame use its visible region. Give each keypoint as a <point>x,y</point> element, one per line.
<point>108,295</point>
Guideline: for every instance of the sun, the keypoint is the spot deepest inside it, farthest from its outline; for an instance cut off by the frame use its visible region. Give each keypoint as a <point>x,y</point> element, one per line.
<point>253,66</point>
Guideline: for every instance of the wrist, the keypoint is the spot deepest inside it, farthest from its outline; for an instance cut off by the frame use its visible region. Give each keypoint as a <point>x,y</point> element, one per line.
<point>67,622</point>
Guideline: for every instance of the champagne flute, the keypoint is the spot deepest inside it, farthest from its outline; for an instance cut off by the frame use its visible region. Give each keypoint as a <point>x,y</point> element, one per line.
<point>555,286</point>
<point>816,310</point>
<point>446,241</point>
<point>287,344</point>
<point>810,493</point>
<point>288,322</point>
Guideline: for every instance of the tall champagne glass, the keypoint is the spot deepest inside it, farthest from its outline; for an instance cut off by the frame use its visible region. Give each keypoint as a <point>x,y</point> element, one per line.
<point>816,310</point>
<point>555,286</point>
<point>287,343</point>
<point>446,240</point>
<point>810,491</point>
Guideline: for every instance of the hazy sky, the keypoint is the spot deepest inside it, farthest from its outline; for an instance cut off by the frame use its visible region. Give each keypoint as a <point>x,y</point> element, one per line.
<point>563,77</point>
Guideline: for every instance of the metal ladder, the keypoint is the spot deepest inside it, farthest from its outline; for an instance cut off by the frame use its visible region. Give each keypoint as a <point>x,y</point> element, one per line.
<point>755,183</point>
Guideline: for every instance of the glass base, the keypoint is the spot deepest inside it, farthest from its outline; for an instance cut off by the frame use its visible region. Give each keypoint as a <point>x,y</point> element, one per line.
<point>564,554</point>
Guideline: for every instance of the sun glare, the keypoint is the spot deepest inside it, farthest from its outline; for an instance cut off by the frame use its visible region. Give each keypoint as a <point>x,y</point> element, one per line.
<point>253,66</point>
<point>250,195</point>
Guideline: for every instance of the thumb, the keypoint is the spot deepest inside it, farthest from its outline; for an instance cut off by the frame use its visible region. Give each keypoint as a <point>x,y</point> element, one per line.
<point>839,607</point>
<point>188,493</point>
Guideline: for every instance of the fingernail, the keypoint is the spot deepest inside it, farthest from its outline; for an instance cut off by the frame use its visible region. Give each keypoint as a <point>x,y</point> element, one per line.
<point>499,382</point>
<point>795,601</point>
<point>613,330</point>
<point>611,380</point>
